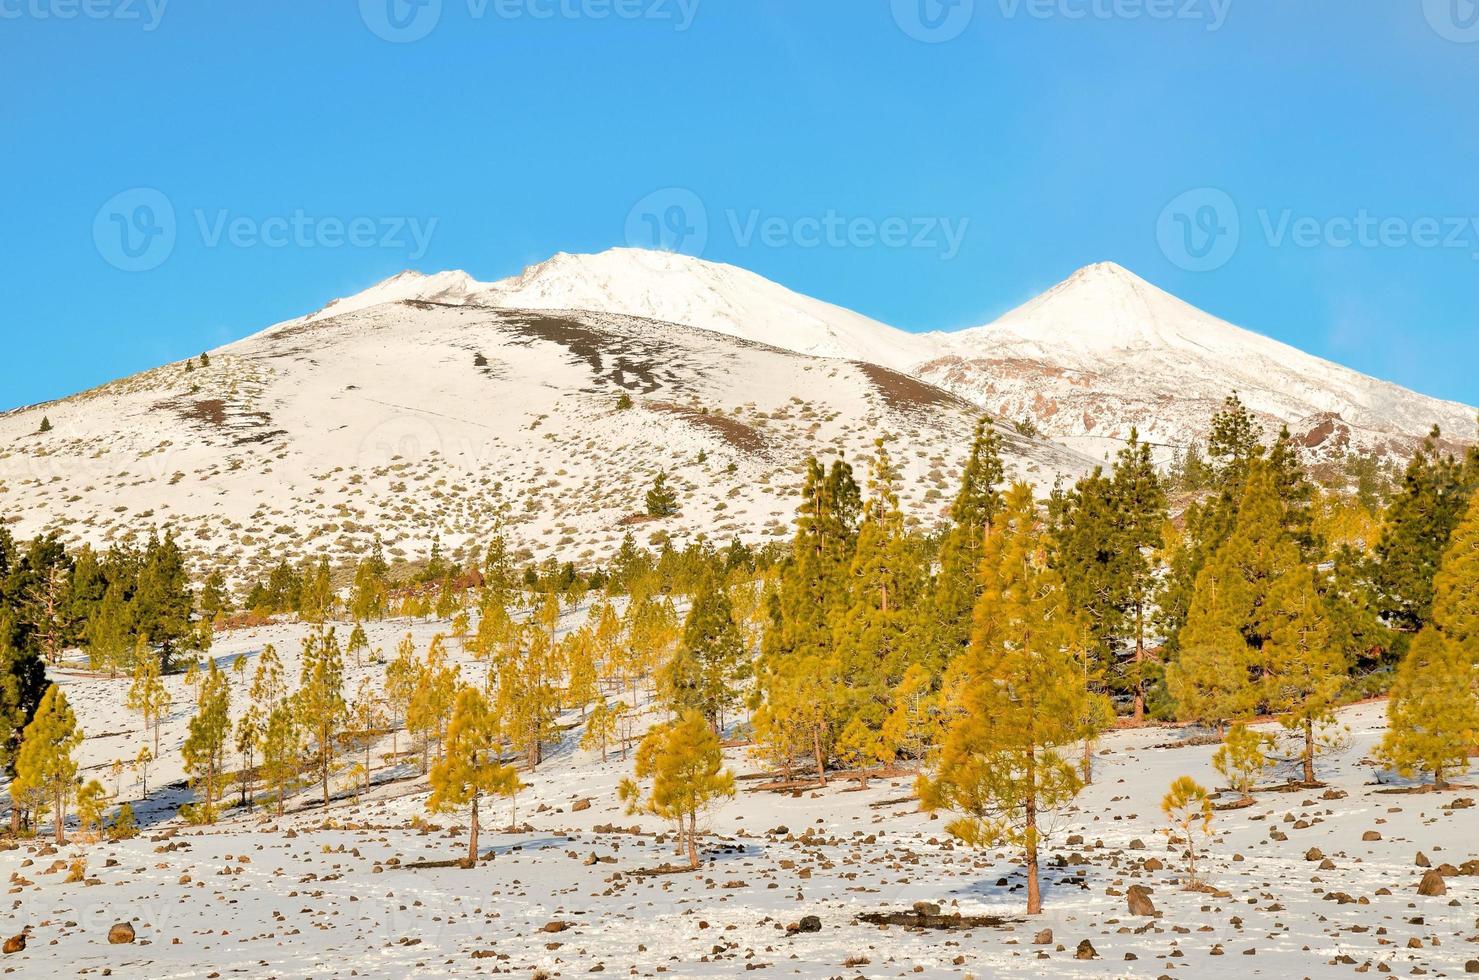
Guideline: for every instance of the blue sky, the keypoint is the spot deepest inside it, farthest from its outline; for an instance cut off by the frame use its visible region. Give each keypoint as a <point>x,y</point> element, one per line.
<point>1304,169</point>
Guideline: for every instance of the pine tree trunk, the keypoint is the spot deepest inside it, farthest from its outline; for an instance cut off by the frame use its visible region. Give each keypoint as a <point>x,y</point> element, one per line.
<point>61,816</point>
<point>693,840</point>
<point>816,745</point>
<point>1139,677</point>
<point>1309,751</point>
<point>1034,891</point>
<point>1088,766</point>
<point>472,841</point>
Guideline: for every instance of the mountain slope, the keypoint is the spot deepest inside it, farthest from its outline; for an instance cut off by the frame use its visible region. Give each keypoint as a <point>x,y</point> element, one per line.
<point>1105,350</point>
<point>412,420</point>
<point>1099,353</point>
<point>710,295</point>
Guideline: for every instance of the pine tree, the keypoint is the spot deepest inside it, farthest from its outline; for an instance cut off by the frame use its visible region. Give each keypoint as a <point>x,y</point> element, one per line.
<point>204,751</point>
<point>528,701</point>
<point>872,640</point>
<point>1242,758</point>
<point>861,747</point>
<point>1456,586</point>
<point>215,600</point>
<point>797,685</point>
<point>1419,522</point>
<point>147,694</point>
<point>1234,441</point>
<point>141,764</point>
<point>710,660</point>
<point>662,500</point>
<point>600,728</point>
<point>1432,715</point>
<point>45,424</point>
<point>22,685</point>
<point>1218,674</point>
<point>578,650</point>
<point>91,801</point>
<point>162,601</point>
<point>401,675</point>
<point>45,771</point>
<point>1303,671</point>
<point>1105,530</point>
<point>108,632</point>
<point>1189,808</point>
<point>470,768</point>
<point>282,741</point>
<point>368,718</point>
<point>686,766</point>
<point>319,702</point>
<point>976,505</point>
<point>1017,698</point>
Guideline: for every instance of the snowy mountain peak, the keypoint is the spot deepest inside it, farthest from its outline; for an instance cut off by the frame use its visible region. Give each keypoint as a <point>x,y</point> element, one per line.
<point>452,286</point>
<point>713,296</point>
<point>1106,307</point>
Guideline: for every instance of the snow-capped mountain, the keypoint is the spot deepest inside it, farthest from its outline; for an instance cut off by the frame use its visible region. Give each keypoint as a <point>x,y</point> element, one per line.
<point>438,405</point>
<point>1105,350</point>
<point>412,419</point>
<point>1099,353</point>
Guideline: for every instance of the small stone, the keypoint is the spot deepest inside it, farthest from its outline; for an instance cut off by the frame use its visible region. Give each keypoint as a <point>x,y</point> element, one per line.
<point>1086,951</point>
<point>15,944</point>
<point>1044,937</point>
<point>121,933</point>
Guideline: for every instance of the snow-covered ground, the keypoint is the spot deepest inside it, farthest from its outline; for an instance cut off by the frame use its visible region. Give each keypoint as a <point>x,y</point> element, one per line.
<point>334,894</point>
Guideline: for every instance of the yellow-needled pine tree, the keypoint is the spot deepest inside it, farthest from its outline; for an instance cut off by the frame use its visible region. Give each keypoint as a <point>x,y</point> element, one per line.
<point>1432,715</point>
<point>1189,808</point>
<point>1016,698</point>
<point>1242,758</point>
<point>45,772</point>
<point>206,742</point>
<point>470,768</point>
<point>1217,676</point>
<point>1303,669</point>
<point>685,764</point>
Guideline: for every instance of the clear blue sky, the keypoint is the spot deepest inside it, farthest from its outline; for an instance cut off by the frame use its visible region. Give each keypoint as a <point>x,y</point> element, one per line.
<point>1057,132</point>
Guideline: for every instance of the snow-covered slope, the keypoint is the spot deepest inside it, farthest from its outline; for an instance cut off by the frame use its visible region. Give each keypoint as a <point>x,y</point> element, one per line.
<point>438,404</point>
<point>679,289</point>
<point>1105,350</point>
<point>1099,353</point>
<point>414,419</point>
